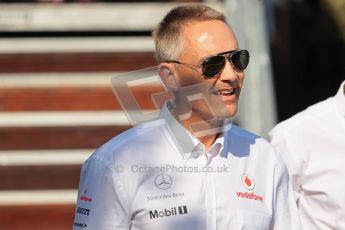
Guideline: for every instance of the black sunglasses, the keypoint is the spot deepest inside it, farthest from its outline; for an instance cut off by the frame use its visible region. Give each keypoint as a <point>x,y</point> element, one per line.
<point>212,66</point>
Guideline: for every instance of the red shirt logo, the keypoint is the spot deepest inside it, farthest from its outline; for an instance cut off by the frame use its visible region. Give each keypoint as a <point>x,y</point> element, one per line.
<point>248,182</point>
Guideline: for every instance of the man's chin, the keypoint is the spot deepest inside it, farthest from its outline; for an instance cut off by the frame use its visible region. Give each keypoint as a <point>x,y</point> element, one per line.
<point>226,112</point>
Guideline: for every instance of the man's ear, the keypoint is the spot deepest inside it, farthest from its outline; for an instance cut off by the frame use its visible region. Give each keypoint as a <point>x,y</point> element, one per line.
<point>168,75</point>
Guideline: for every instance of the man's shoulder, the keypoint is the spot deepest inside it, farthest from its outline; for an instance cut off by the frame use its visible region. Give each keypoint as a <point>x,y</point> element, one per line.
<point>243,133</point>
<point>244,136</point>
<point>246,143</point>
<point>306,118</point>
<point>129,141</point>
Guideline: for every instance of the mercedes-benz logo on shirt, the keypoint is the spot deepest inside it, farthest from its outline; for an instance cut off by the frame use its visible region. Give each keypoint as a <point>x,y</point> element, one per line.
<point>163,181</point>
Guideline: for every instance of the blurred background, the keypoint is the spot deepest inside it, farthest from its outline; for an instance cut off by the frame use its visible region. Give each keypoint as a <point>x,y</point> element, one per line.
<point>56,102</point>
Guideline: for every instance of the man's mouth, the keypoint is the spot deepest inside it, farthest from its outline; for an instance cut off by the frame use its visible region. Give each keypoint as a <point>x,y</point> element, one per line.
<point>225,92</point>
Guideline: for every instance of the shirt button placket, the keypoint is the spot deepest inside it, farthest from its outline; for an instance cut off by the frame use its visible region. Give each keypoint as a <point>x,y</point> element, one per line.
<point>210,201</point>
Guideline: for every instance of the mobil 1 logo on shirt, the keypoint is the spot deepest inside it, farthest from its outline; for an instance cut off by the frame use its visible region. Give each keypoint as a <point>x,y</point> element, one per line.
<point>173,211</point>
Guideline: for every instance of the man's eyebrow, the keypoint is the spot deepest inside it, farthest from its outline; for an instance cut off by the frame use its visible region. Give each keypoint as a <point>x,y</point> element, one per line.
<point>227,52</point>
<point>205,57</point>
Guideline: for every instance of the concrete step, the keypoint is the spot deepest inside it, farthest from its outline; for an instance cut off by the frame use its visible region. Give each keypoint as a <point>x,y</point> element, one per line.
<point>62,119</point>
<point>76,44</point>
<point>121,16</point>
<point>38,197</point>
<point>44,157</point>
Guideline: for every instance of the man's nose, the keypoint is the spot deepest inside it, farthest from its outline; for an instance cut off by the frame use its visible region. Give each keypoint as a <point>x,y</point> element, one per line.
<point>229,73</point>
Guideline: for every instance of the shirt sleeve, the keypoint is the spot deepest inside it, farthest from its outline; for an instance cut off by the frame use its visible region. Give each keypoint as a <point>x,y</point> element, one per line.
<point>102,201</point>
<point>285,211</point>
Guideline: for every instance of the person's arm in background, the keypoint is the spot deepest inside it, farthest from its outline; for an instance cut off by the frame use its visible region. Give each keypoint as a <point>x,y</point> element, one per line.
<point>292,154</point>
<point>285,210</point>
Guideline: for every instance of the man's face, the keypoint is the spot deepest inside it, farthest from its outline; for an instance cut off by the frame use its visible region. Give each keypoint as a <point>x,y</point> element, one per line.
<point>204,39</point>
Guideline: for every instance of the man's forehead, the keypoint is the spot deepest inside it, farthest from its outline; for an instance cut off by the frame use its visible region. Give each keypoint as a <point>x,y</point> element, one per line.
<point>203,37</point>
<point>201,31</point>
<point>209,37</point>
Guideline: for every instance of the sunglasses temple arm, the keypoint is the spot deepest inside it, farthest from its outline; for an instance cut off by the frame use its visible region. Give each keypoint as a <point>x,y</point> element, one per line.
<point>194,67</point>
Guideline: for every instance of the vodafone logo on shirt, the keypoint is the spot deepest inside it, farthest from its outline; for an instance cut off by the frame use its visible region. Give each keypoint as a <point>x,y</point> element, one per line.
<point>249,184</point>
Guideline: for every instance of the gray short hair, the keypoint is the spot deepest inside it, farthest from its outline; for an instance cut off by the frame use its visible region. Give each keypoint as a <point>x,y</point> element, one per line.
<point>167,36</point>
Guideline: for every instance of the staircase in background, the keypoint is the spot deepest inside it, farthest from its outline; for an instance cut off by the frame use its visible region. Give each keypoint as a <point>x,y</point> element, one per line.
<point>56,101</point>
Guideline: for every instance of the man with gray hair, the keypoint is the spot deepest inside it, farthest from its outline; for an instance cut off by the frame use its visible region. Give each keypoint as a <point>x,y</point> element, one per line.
<point>190,168</point>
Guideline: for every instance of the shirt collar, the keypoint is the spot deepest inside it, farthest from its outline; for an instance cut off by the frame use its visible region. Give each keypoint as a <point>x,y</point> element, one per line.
<point>182,139</point>
<point>217,146</point>
<point>187,144</point>
<point>340,99</point>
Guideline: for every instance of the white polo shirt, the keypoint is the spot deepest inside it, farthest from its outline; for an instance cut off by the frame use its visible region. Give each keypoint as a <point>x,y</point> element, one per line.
<point>142,180</point>
<point>312,143</point>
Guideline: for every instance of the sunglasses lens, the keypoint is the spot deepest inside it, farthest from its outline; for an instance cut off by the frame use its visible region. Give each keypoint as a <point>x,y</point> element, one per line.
<point>240,59</point>
<point>212,66</point>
